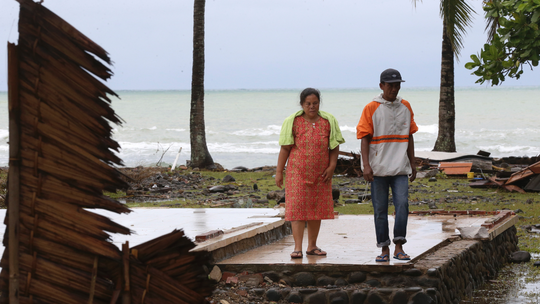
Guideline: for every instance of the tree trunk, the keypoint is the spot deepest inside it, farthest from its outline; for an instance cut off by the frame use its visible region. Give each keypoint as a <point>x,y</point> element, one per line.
<point>447,111</point>
<point>200,157</point>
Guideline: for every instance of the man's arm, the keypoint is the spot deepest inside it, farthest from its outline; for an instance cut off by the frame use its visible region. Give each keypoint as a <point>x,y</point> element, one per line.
<point>412,160</point>
<point>364,149</point>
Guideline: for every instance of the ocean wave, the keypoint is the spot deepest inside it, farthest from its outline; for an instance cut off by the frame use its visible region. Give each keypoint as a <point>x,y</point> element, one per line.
<point>176,130</point>
<point>503,150</point>
<point>147,148</point>
<point>4,134</point>
<point>268,131</point>
<point>348,129</point>
<point>431,129</point>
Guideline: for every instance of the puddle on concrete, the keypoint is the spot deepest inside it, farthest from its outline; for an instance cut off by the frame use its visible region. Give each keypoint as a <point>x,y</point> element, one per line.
<point>516,284</point>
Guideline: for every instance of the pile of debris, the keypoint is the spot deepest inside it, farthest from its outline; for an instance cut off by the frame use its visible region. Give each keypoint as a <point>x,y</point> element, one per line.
<point>527,179</point>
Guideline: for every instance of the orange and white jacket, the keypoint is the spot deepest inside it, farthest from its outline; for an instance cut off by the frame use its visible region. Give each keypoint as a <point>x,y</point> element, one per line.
<point>390,124</point>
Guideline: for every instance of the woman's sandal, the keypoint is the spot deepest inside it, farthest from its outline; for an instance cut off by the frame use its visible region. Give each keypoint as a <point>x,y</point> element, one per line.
<point>316,251</point>
<point>297,255</point>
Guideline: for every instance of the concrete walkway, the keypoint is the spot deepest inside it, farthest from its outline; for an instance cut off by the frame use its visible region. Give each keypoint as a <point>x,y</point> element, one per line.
<point>348,239</point>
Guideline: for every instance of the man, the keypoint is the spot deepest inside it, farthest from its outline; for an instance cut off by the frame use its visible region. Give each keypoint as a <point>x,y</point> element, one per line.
<point>386,129</point>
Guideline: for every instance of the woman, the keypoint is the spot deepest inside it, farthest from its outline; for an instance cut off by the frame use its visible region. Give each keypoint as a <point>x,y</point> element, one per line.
<point>310,142</point>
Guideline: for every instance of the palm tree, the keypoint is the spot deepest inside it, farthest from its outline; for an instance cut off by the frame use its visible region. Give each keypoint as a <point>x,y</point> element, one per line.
<point>456,16</point>
<point>200,157</point>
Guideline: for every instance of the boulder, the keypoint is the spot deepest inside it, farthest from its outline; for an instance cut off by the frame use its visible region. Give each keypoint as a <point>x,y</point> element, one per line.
<point>520,257</point>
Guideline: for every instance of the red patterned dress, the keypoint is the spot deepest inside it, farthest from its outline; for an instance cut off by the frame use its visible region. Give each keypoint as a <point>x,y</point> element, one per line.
<point>306,196</point>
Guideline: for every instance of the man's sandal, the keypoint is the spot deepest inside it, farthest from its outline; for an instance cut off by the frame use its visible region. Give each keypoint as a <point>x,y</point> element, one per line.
<point>382,258</point>
<point>297,255</point>
<point>403,257</point>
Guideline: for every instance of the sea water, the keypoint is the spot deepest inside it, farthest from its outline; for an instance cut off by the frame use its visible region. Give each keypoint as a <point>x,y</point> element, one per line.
<point>242,126</point>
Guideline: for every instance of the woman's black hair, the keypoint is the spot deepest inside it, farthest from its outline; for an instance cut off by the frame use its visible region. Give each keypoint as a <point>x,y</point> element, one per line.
<point>309,91</point>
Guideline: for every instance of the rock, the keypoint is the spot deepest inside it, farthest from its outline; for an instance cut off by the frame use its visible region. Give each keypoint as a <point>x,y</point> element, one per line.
<point>339,297</point>
<point>252,282</point>
<point>352,201</point>
<point>432,179</point>
<point>317,298</point>
<point>431,205</point>
<point>239,169</point>
<point>364,196</point>
<point>255,187</point>
<point>272,275</point>
<point>357,277</point>
<point>294,297</point>
<point>421,298</point>
<point>232,280</point>
<point>358,297</point>
<point>215,274</point>
<point>216,189</point>
<point>325,280</point>
<point>400,297</point>
<point>308,290</point>
<point>305,279</point>
<point>520,257</point>
<point>413,272</point>
<point>536,264</point>
<point>335,194</point>
<point>374,297</point>
<point>228,179</point>
<point>273,295</point>
<point>242,292</point>
<point>432,272</point>
<point>373,283</point>
<point>246,277</point>
<point>276,195</point>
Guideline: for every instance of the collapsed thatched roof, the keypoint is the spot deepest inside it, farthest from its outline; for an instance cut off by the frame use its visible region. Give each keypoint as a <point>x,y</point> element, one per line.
<point>62,113</point>
<point>61,157</point>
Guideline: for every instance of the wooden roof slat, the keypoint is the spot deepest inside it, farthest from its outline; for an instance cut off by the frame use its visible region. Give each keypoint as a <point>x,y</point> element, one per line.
<point>53,188</point>
<point>60,42</point>
<point>68,30</point>
<point>64,277</point>
<point>95,106</point>
<point>53,232</point>
<point>81,159</point>
<point>74,214</point>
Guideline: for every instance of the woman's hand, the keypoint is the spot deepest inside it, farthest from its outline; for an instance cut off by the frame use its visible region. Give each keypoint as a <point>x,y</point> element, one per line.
<point>282,160</point>
<point>279,179</point>
<point>328,174</point>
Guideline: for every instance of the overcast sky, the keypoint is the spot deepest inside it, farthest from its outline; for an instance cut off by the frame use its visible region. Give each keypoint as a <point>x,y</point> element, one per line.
<point>265,44</point>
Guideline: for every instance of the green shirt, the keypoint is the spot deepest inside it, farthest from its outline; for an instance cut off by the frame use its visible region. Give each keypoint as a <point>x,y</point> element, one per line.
<point>286,136</point>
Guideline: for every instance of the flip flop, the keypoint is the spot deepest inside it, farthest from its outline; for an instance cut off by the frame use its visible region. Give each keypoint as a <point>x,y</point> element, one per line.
<point>382,258</point>
<point>314,252</point>
<point>296,255</point>
<point>404,258</point>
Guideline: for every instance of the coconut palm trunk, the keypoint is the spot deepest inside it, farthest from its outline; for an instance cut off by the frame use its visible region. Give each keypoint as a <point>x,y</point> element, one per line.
<point>447,112</point>
<point>456,16</point>
<point>200,157</point>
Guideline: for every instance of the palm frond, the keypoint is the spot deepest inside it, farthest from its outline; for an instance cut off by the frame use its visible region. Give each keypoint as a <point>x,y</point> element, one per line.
<point>492,23</point>
<point>457,15</point>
